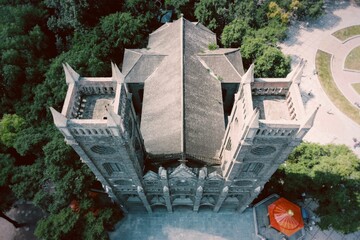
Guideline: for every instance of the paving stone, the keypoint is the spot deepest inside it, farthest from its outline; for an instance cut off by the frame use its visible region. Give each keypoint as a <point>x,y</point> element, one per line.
<point>336,236</point>
<point>173,226</point>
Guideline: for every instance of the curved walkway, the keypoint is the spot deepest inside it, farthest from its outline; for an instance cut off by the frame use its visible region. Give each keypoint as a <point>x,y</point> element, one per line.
<point>331,125</point>
<point>342,78</point>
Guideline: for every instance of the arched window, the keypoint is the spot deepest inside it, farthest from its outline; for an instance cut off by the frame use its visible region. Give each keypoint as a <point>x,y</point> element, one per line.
<point>103,150</point>
<point>112,168</point>
<point>263,150</point>
<point>254,168</point>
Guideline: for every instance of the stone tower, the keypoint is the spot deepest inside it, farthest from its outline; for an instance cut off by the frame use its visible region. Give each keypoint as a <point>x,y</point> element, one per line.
<point>99,123</point>
<point>266,123</point>
<point>182,126</point>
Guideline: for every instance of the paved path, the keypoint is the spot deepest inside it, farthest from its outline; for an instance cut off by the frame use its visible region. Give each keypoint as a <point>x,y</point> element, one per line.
<point>342,78</point>
<point>331,125</point>
<point>23,213</point>
<point>186,225</point>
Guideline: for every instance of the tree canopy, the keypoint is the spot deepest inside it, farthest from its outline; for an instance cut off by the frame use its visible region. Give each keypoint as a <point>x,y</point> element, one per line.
<point>37,36</point>
<point>328,173</point>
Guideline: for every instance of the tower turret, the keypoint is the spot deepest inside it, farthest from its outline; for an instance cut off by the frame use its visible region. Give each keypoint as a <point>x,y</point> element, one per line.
<point>266,123</point>
<point>99,122</point>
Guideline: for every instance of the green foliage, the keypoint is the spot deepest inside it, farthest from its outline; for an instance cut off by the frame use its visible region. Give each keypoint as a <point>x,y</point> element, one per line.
<point>272,63</point>
<point>331,175</point>
<point>6,171</point>
<point>6,168</point>
<point>27,180</point>
<point>67,17</point>
<point>145,10</point>
<point>252,48</point>
<point>57,226</point>
<point>277,12</point>
<point>122,29</point>
<point>305,9</point>
<point>213,46</point>
<point>23,39</point>
<point>213,13</point>
<point>31,139</point>
<point>186,7</point>
<point>273,32</point>
<point>10,126</point>
<point>94,226</point>
<point>233,33</point>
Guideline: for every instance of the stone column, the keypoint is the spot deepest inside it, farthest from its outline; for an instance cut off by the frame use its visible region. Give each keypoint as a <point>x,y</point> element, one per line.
<point>143,198</point>
<point>198,196</point>
<point>167,198</point>
<point>221,199</point>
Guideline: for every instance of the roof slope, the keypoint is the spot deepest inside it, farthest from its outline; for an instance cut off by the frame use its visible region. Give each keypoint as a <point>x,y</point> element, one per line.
<point>204,125</point>
<point>161,121</point>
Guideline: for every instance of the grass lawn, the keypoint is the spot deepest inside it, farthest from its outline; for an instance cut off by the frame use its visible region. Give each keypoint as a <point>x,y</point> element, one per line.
<point>356,86</point>
<point>323,60</point>
<point>352,60</point>
<point>348,32</point>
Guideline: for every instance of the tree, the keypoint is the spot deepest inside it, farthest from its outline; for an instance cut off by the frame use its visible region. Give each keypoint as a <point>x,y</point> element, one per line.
<point>307,8</point>
<point>186,7</point>
<point>328,173</point>
<point>214,14</point>
<point>24,47</point>
<point>277,12</point>
<point>6,171</point>
<point>233,33</point>
<point>57,226</point>
<point>10,126</point>
<point>272,63</point>
<point>7,197</point>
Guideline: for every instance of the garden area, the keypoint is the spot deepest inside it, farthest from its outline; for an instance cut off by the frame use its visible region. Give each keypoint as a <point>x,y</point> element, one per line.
<point>352,61</point>
<point>323,66</point>
<point>347,33</point>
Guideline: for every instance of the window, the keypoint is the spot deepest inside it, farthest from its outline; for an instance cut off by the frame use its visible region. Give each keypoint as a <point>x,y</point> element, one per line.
<point>254,168</point>
<point>122,182</point>
<point>228,145</point>
<point>243,183</point>
<point>103,150</point>
<point>263,150</point>
<point>111,168</point>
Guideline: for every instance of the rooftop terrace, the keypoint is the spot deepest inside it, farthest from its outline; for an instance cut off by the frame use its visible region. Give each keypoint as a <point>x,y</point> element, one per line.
<point>272,107</point>
<point>95,106</point>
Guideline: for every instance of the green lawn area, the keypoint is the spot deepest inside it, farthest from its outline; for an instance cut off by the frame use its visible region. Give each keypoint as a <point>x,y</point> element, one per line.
<point>356,86</point>
<point>352,60</point>
<point>323,60</point>
<point>348,32</point>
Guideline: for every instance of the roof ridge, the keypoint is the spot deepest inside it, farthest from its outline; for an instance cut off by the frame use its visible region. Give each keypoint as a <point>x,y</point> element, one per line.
<point>182,85</point>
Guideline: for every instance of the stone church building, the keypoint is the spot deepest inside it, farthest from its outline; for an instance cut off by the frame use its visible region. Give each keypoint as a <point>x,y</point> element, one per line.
<point>182,126</point>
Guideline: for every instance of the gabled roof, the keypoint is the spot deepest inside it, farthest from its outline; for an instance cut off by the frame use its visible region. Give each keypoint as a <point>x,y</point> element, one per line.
<point>182,109</point>
<point>182,171</point>
<point>140,64</point>
<point>225,63</point>
<point>150,175</point>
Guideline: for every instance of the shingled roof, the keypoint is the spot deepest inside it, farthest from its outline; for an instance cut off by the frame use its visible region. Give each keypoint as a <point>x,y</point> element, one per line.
<point>182,106</point>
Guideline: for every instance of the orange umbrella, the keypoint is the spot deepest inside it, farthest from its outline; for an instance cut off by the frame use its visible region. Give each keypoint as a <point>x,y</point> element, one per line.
<point>285,216</point>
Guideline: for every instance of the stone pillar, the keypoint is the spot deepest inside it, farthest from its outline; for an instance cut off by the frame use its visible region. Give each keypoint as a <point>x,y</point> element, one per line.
<point>167,198</point>
<point>198,196</point>
<point>221,199</point>
<point>143,198</point>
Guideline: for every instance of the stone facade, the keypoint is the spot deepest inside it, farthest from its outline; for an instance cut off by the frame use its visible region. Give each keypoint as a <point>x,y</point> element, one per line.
<point>212,142</point>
